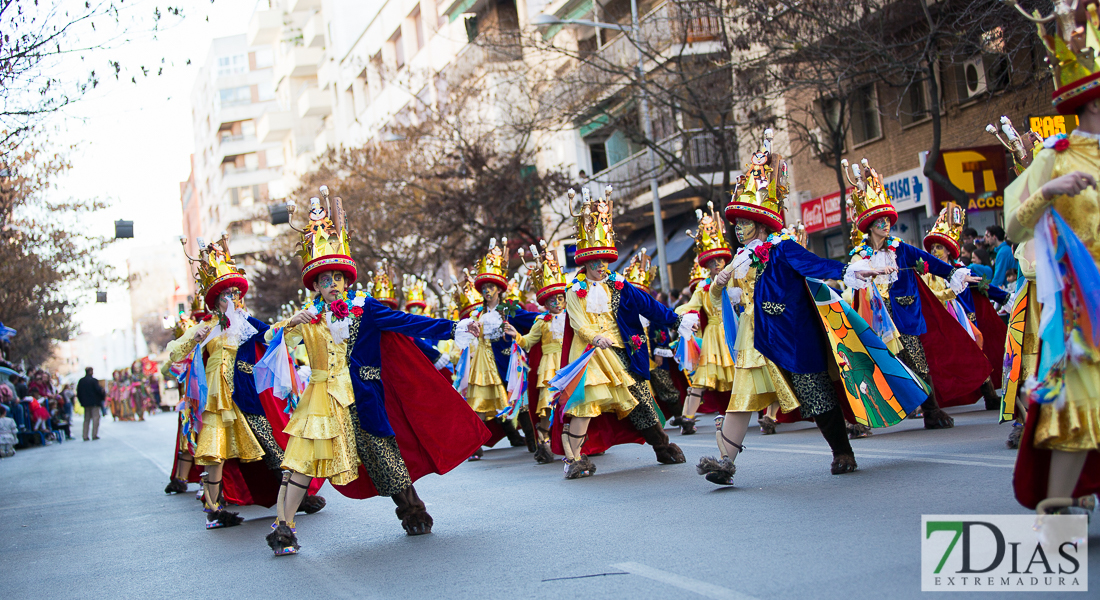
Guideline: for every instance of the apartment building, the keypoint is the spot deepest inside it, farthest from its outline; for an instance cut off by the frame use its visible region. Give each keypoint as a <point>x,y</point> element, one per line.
<point>892,129</point>
<point>696,158</point>
<point>235,172</point>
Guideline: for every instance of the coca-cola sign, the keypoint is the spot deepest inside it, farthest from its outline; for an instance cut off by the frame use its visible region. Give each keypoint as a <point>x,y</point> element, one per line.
<point>823,212</point>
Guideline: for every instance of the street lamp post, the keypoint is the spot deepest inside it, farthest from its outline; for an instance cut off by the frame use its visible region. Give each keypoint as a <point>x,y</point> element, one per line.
<point>647,128</point>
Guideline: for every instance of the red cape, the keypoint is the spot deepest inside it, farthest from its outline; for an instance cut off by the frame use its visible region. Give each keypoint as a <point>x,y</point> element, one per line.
<point>436,430</point>
<point>604,431</point>
<point>534,360</point>
<point>994,331</point>
<point>1029,479</point>
<point>957,365</point>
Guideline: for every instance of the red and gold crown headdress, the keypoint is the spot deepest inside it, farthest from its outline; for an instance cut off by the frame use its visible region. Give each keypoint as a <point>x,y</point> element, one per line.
<point>215,269</point>
<point>324,244</point>
<point>640,272</point>
<point>414,290</point>
<point>870,199</point>
<point>1071,52</point>
<point>465,295</point>
<point>594,229</point>
<point>381,285</point>
<point>546,276</point>
<point>759,195</point>
<point>947,230</point>
<point>710,237</point>
<point>493,267</point>
<point>1021,147</point>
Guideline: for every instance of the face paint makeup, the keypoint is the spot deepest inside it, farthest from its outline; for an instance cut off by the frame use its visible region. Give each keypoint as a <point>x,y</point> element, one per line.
<point>745,230</point>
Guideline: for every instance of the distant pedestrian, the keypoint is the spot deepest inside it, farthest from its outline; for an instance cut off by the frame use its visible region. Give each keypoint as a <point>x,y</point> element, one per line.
<point>90,395</point>
<point>1003,261</point>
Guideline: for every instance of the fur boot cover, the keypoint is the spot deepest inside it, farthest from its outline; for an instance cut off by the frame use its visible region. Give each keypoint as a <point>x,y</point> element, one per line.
<point>311,504</point>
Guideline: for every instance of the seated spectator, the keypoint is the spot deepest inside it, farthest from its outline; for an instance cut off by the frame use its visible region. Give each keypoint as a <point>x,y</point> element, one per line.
<point>59,418</point>
<point>41,418</point>
<point>979,263</point>
<point>9,433</point>
<point>7,398</point>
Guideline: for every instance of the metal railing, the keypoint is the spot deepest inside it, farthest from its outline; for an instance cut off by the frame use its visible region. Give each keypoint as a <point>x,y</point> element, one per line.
<point>695,150</point>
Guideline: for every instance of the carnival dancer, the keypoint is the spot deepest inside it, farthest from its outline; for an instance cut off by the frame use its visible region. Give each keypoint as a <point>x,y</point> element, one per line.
<point>780,351</point>
<point>714,370</point>
<point>640,273</point>
<point>943,243</point>
<point>217,430</point>
<point>416,303</point>
<point>1055,202</point>
<point>184,469</point>
<point>1021,342</point>
<point>347,426</point>
<point>489,356</point>
<point>605,330</point>
<point>543,342</point>
<point>958,367</point>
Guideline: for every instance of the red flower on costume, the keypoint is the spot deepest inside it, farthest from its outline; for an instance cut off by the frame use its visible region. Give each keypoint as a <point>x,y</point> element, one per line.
<point>1061,145</point>
<point>339,309</point>
<point>636,342</point>
<point>316,319</point>
<point>706,288</point>
<point>582,293</point>
<point>762,251</point>
<point>357,311</point>
<point>618,284</point>
<point>548,317</point>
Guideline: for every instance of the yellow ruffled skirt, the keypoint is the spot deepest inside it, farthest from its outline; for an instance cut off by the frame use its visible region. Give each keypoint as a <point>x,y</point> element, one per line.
<point>1076,426</point>
<point>486,393</point>
<point>606,387</point>
<point>757,382</point>
<point>715,368</point>
<point>224,433</point>
<point>321,442</point>
<point>548,367</point>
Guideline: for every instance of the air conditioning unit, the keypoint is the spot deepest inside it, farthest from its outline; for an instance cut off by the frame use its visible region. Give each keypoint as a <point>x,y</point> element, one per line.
<point>972,81</point>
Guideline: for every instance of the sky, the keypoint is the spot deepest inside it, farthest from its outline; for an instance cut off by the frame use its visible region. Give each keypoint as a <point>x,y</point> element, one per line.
<point>133,141</point>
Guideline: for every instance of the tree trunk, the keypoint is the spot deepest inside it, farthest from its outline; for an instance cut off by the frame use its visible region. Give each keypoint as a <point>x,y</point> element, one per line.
<point>930,172</point>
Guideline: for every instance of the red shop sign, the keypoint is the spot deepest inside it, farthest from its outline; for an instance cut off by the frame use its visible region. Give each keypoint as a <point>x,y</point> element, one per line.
<point>823,212</point>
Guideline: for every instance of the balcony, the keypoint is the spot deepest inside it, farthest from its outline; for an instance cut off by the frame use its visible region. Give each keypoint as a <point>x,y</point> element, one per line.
<point>314,103</point>
<point>314,31</point>
<point>233,145</point>
<point>301,61</point>
<point>264,28</point>
<point>274,126</point>
<point>248,177</point>
<point>697,149</point>
<point>303,5</point>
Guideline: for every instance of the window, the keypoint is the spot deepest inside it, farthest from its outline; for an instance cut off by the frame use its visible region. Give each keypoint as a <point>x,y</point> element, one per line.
<point>235,96</point>
<point>398,49</point>
<point>470,20</point>
<point>232,65</point>
<point>598,153</point>
<point>421,35</point>
<point>266,90</point>
<point>264,58</point>
<point>248,128</point>
<point>865,117</point>
<point>914,103</point>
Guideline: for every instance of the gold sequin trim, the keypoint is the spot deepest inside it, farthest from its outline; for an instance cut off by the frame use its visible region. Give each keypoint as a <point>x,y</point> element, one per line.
<point>381,458</point>
<point>244,367</point>
<point>370,373</point>
<point>972,316</point>
<point>773,308</point>
<point>261,428</point>
<point>905,300</point>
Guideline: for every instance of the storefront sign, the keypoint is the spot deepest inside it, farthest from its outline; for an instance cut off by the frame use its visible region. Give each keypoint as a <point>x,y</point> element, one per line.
<point>980,172</point>
<point>908,189</point>
<point>1048,125</point>
<point>823,212</point>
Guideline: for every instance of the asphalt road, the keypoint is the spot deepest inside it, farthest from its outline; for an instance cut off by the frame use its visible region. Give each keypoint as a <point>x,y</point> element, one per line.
<point>90,520</point>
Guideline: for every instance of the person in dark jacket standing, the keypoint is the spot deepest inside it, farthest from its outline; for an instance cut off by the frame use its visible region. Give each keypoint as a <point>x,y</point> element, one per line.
<point>90,395</point>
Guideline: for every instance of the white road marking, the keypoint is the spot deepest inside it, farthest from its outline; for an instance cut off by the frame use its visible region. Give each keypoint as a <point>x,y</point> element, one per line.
<point>702,588</point>
<point>876,454</point>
